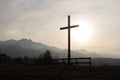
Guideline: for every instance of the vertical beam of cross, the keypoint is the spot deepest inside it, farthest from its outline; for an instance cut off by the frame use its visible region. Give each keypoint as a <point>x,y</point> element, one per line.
<point>69,46</point>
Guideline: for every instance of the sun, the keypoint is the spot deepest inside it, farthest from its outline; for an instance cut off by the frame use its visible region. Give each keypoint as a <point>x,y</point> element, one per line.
<point>83,33</point>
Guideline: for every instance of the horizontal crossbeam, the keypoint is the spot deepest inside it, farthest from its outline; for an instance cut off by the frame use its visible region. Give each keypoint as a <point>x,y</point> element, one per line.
<point>70,27</point>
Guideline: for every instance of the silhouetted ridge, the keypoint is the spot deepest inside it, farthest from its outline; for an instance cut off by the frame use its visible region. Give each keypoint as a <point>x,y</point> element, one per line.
<point>25,40</point>
<point>27,47</point>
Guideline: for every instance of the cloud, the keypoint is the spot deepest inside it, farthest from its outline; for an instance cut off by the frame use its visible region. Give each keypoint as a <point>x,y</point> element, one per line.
<point>35,18</point>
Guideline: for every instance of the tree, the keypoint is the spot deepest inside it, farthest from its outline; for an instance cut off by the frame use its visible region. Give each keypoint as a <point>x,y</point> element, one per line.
<point>18,60</point>
<point>44,58</point>
<point>47,56</point>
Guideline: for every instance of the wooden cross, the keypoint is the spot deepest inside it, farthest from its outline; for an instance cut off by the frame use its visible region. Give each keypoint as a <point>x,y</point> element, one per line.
<point>68,27</point>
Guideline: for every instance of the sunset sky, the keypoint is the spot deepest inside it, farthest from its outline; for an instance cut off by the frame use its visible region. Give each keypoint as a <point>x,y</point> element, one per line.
<point>40,20</point>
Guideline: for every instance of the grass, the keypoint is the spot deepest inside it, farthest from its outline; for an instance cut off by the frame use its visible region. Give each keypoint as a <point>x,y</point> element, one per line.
<point>57,72</point>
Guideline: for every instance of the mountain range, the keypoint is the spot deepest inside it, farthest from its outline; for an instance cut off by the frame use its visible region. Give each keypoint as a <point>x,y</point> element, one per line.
<point>27,47</point>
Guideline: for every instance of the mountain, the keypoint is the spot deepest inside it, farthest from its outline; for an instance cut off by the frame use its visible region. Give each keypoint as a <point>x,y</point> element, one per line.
<point>27,47</point>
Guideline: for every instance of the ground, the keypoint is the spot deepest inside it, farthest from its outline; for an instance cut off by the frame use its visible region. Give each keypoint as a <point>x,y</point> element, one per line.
<point>57,72</point>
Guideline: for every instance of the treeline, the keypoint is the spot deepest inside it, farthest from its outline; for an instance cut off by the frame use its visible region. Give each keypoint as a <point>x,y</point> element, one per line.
<point>44,58</point>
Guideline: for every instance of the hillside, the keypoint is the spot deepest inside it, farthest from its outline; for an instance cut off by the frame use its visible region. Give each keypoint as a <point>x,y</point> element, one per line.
<point>27,47</point>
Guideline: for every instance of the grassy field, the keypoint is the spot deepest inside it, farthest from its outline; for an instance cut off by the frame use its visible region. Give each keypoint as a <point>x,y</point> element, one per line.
<point>57,72</point>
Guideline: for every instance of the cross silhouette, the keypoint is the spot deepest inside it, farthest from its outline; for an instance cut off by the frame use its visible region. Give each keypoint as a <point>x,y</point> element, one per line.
<point>69,27</point>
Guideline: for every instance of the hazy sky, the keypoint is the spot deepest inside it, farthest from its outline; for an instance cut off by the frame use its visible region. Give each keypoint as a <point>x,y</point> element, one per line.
<point>40,21</point>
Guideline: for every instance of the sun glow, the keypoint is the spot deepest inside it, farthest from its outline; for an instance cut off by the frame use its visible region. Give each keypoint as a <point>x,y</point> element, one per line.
<point>83,33</point>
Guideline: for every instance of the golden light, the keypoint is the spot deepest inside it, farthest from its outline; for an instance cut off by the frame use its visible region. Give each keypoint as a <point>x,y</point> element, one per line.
<point>83,33</point>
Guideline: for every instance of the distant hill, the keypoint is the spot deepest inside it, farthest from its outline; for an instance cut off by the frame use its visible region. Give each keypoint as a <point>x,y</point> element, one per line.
<point>27,47</point>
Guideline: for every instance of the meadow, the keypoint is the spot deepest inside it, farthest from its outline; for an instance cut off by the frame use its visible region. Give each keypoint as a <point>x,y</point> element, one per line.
<point>57,72</point>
